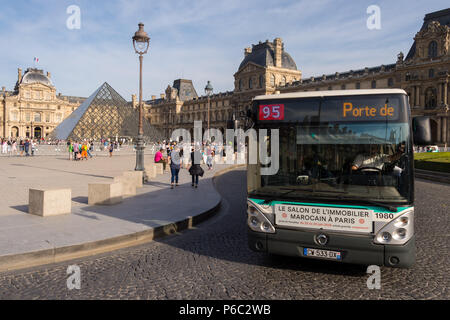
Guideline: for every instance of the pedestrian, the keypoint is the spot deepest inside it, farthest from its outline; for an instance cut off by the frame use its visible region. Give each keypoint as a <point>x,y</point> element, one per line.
<point>14,148</point>
<point>75,151</point>
<point>84,149</point>
<point>160,159</point>
<point>4,146</point>
<point>196,170</point>
<point>90,148</point>
<point>70,145</point>
<point>33,147</point>
<point>175,166</point>
<point>111,149</point>
<point>26,146</point>
<point>209,157</point>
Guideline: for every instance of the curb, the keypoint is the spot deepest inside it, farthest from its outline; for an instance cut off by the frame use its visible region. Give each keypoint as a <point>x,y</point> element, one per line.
<point>55,255</point>
<point>432,175</point>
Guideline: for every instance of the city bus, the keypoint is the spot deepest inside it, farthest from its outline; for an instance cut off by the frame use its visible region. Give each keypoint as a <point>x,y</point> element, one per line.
<point>344,188</point>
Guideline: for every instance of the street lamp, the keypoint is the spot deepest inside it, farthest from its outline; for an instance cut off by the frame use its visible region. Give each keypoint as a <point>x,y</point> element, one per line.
<point>141,42</point>
<point>208,91</point>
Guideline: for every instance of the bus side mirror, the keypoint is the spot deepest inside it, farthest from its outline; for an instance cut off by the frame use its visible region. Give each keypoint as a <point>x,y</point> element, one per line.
<point>421,131</point>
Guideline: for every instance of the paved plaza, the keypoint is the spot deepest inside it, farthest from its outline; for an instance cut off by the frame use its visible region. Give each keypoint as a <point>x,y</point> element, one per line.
<point>154,205</point>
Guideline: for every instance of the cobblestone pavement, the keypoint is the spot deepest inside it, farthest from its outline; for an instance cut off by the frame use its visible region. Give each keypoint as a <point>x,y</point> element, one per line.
<point>213,261</point>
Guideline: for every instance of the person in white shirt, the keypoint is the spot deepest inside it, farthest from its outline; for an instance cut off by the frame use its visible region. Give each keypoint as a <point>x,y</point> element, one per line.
<point>375,159</point>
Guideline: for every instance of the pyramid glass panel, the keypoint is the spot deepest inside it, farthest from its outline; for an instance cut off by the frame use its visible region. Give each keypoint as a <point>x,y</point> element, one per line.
<point>105,114</point>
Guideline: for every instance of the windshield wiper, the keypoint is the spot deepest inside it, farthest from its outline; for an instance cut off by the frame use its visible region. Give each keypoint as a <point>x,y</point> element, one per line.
<point>312,190</point>
<point>270,199</point>
<point>378,204</point>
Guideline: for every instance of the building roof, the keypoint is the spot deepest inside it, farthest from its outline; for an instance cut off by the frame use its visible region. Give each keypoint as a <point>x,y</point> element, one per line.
<point>35,76</point>
<point>442,16</point>
<point>263,54</point>
<point>329,93</point>
<point>186,90</point>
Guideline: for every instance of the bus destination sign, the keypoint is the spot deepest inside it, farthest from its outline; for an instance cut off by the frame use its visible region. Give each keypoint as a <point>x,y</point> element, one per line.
<point>271,112</point>
<point>352,112</point>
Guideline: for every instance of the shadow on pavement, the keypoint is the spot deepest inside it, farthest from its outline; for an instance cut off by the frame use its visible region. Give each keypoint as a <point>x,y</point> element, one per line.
<point>22,208</point>
<point>224,237</point>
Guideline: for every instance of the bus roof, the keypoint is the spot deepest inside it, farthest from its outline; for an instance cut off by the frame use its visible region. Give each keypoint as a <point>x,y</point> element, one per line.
<point>329,93</point>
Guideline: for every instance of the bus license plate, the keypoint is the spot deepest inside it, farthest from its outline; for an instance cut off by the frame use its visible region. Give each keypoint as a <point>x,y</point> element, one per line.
<point>325,254</point>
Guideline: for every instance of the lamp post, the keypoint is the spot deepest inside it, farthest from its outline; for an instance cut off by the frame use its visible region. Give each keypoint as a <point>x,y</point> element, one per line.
<point>208,91</point>
<point>141,42</point>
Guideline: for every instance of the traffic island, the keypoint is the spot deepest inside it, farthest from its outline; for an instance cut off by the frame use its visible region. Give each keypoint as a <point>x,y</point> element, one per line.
<point>156,211</point>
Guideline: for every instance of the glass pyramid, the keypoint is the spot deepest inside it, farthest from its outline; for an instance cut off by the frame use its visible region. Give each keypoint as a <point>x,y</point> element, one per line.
<point>105,114</point>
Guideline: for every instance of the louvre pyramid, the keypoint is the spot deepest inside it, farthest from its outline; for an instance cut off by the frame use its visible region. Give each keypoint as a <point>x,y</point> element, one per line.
<point>105,114</point>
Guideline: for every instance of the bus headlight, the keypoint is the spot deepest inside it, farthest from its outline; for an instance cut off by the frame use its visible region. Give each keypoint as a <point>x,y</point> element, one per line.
<point>257,221</point>
<point>397,231</point>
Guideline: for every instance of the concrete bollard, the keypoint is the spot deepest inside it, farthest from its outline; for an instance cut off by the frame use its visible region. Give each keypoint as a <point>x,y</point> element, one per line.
<point>128,186</point>
<point>50,202</point>
<point>135,177</point>
<point>159,169</point>
<point>150,170</point>
<point>104,193</point>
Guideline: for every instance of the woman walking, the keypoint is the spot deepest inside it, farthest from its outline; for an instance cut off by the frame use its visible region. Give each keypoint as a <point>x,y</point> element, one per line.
<point>84,148</point>
<point>14,148</point>
<point>175,165</point>
<point>196,170</point>
<point>111,149</point>
<point>70,151</point>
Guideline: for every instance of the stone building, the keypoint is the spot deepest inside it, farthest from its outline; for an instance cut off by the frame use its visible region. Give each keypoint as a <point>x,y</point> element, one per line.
<point>33,109</point>
<point>268,68</point>
<point>265,67</point>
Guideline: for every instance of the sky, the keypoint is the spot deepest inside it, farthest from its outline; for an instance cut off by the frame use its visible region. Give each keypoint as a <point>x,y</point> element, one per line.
<point>196,39</point>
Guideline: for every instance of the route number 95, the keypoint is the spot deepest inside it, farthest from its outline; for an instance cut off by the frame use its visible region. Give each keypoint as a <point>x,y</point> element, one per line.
<point>271,112</point>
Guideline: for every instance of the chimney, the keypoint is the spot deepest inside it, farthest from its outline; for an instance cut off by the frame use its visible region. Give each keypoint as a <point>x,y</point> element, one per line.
<point>278,43</point>
<point>153,97</point>
<point>19,75</point>
<point>247,51</point>
<point>133,100</point>
<point>3,89</point>
<point>49,75</point>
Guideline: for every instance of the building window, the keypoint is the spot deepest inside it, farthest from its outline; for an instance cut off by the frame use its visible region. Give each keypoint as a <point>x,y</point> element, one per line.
<point>240,85</point>
<point>374,84</point>
<point>431,73</point>
<point>330,88</point>
<point>250,83</point>
<point>14,116</point>
<point>430,98</point>
<point>343,87</point>
<point>261,81</point>
<point>37,117</point>
<point>47,117</point>
<point>390,82</point>
<point>432,49</point>
<point>58,117</point>
<point>27,117</point>
<point>283,81</point>
<point>358,85</point>
<point>272,80</point>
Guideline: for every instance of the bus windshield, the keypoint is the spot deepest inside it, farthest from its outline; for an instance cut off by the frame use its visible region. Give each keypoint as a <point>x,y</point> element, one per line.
<point>327,151</point>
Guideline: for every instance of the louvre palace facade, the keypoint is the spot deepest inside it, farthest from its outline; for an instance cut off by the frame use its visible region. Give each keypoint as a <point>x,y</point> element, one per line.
<point>33,109</point>
<point>267,68</point>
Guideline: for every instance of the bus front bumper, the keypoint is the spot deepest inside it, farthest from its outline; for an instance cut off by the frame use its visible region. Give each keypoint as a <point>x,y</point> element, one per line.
<point>355,249</point>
